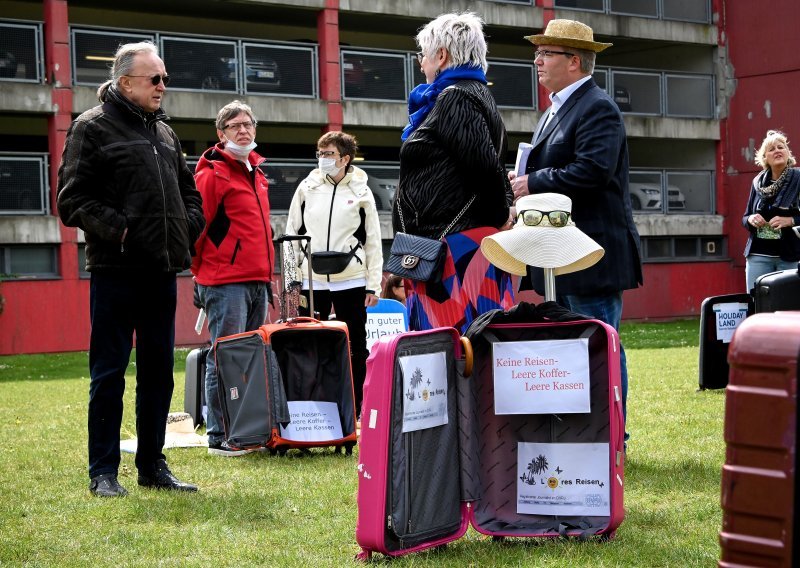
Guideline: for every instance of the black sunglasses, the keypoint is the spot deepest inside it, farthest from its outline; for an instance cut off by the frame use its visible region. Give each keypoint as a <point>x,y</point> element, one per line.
<point>533,217</point>
<point>155,79</point>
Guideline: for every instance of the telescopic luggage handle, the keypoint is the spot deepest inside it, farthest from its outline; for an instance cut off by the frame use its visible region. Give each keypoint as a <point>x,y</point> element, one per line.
<point>290,238</point>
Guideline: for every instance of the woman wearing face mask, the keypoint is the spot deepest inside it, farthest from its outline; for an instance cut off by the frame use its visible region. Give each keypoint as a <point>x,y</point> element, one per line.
<point>336,208</point>
<point>234,254</point>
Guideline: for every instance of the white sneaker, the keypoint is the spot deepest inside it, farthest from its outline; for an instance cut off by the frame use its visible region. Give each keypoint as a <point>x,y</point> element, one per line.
<point>226,450</point>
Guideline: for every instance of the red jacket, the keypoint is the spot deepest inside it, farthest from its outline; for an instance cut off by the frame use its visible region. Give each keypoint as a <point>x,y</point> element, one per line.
<point>236,245</point>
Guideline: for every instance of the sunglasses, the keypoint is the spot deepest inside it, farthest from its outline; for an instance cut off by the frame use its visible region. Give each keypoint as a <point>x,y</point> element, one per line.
<point>533,217</point>
<point>155,79</point>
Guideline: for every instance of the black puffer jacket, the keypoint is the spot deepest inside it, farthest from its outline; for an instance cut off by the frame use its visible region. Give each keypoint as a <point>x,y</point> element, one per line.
<point>456,152</point>
<point>123,168</point>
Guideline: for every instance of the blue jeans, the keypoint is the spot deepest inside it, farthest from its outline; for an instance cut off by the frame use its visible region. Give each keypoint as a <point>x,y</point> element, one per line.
<point>230,308</point>
<point>758,265</point>
<point>608,309</point>
<point>122,303</point>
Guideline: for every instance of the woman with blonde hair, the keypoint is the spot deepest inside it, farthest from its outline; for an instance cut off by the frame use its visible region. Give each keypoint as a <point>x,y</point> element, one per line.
<point>772,211</point>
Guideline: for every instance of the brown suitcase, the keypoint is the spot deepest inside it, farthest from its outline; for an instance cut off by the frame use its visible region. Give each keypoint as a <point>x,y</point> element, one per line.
<point>758,477</point>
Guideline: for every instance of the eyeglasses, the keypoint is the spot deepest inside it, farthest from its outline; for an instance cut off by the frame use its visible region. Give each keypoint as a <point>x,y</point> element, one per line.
<point>550,53</point>
<point>155,79</point>
<point>326,154</point>
<point>420,55</point>
<point>533,217</point>
<point>248,125</point>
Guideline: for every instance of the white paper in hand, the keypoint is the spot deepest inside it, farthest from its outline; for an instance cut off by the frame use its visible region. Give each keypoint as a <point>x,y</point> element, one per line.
<point>523,152</point>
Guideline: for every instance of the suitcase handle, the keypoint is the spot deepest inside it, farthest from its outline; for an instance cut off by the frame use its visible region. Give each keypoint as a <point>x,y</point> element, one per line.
<point>466,347</point>
<point>302,319</point>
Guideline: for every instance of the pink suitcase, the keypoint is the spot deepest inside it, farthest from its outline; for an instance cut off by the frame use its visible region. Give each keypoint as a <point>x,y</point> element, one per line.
<point>422,489</point>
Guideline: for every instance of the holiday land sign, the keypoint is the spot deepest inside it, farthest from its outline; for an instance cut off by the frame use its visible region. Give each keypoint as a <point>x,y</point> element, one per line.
<point>541,377</point>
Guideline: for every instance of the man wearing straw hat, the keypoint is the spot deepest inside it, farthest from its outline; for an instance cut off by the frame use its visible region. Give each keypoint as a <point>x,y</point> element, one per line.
<point>580,150</point>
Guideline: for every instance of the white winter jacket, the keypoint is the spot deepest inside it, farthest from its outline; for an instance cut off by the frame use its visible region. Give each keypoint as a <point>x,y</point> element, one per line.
<point>331,214</point>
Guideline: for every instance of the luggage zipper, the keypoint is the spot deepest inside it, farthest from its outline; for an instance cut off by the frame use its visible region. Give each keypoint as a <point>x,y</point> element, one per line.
<point>409,477</point>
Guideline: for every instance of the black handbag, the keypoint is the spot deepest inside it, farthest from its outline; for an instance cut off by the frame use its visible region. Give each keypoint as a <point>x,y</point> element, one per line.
<point>420,258</point>
<point>417,258</point>
<point>331,261</point>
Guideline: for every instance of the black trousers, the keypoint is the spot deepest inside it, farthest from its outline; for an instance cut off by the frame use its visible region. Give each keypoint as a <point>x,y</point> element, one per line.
<point>349,307</point>
<point>122,304</point>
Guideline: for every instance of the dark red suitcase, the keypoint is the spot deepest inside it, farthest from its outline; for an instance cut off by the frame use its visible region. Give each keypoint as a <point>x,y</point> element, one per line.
<point>758,477</point>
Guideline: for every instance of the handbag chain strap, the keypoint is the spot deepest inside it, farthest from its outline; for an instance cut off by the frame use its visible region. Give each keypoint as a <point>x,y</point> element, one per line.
<point>450,226</point>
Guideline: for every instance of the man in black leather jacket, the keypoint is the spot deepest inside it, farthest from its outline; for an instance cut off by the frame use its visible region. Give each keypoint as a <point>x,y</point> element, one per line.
<point>124,181</point>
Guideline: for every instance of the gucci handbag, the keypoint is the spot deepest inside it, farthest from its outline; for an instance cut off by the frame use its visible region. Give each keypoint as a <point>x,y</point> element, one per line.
<point>419,258</point>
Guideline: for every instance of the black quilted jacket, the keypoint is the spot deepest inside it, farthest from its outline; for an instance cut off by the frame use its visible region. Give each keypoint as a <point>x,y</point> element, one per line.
<point>457,152</point>
<point>123,168</point>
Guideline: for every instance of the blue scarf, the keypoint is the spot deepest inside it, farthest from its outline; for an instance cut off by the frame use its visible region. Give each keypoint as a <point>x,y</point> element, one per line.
<point>423,97</point>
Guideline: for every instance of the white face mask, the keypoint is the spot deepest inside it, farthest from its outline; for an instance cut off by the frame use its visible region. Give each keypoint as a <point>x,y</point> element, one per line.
<point>240,152</point>
<point>328,166</point>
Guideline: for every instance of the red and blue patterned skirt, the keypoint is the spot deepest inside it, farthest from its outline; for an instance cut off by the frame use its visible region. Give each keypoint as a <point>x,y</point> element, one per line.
<point>470,286</point>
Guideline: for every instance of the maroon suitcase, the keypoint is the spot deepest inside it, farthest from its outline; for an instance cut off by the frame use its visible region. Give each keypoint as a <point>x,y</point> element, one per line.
<point>758,477</point>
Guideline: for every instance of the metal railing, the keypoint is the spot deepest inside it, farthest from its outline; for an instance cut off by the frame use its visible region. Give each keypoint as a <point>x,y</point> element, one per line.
<point>686,191</point>
<point>202,63</point>
<point>698,11</point>
<point>659,93</point>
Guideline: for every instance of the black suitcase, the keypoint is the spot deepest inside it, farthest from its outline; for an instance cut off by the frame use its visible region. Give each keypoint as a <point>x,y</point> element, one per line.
<point>717,322</point>
<point>778,291</point>
<point>194,394</point>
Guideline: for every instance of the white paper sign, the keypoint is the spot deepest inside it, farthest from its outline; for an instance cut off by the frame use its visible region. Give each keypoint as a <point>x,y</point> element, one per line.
<point>541,377</point>
<point>384,324</point>
<point>728,315</point>
<point>563,479</point>
<point>424,391</point>
<point>312,421</point>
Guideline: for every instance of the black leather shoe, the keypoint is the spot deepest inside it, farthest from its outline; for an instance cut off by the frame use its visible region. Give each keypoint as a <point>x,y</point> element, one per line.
<point>162,478</point>
<point>106,485</point>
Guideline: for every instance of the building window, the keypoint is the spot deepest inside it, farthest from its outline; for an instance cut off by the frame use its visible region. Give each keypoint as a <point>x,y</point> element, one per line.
<point>200,64</point>
<point>374,75</point>
<point>93,53</point>
<point>24,187</point>
<point>686,191</point>
<point>28,261</point>
<point>21,52</point>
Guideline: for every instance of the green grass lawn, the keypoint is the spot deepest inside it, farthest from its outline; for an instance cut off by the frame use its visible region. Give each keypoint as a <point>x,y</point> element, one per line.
<point>301,510</point>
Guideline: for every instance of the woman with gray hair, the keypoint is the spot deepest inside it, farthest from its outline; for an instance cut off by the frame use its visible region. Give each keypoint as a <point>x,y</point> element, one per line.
<point>772,211</point>
<point>453,184</point>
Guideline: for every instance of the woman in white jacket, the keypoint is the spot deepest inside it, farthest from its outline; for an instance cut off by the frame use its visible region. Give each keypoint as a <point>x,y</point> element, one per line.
<point>336,208</point>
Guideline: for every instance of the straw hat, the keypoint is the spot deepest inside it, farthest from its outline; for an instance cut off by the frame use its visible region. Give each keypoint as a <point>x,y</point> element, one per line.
<point>568,33</point>
<point>180,432</point>
<point>564,249</point>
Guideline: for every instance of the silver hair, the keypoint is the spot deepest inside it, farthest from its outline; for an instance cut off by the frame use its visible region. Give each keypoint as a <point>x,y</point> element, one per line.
<point>233,108</point>
<point>772,137</point>
<point>461,34</point>
<point>587,58</point>
<point>123,63</point>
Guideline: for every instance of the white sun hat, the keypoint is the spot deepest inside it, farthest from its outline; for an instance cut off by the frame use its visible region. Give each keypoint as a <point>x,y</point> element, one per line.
<point>564,249</point>
<point>180,432</point>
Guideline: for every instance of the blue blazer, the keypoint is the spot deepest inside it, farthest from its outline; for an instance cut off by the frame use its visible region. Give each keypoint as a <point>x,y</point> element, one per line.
<point>583,153</point>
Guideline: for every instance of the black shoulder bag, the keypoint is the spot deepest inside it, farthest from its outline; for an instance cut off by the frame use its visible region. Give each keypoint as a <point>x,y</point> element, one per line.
<point>420,258</point>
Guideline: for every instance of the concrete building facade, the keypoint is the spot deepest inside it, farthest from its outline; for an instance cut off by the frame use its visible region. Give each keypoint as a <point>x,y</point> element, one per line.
<point>309,66</point>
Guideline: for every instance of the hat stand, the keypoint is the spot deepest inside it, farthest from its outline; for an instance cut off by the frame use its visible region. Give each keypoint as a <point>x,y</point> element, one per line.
<point>549,285</point>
